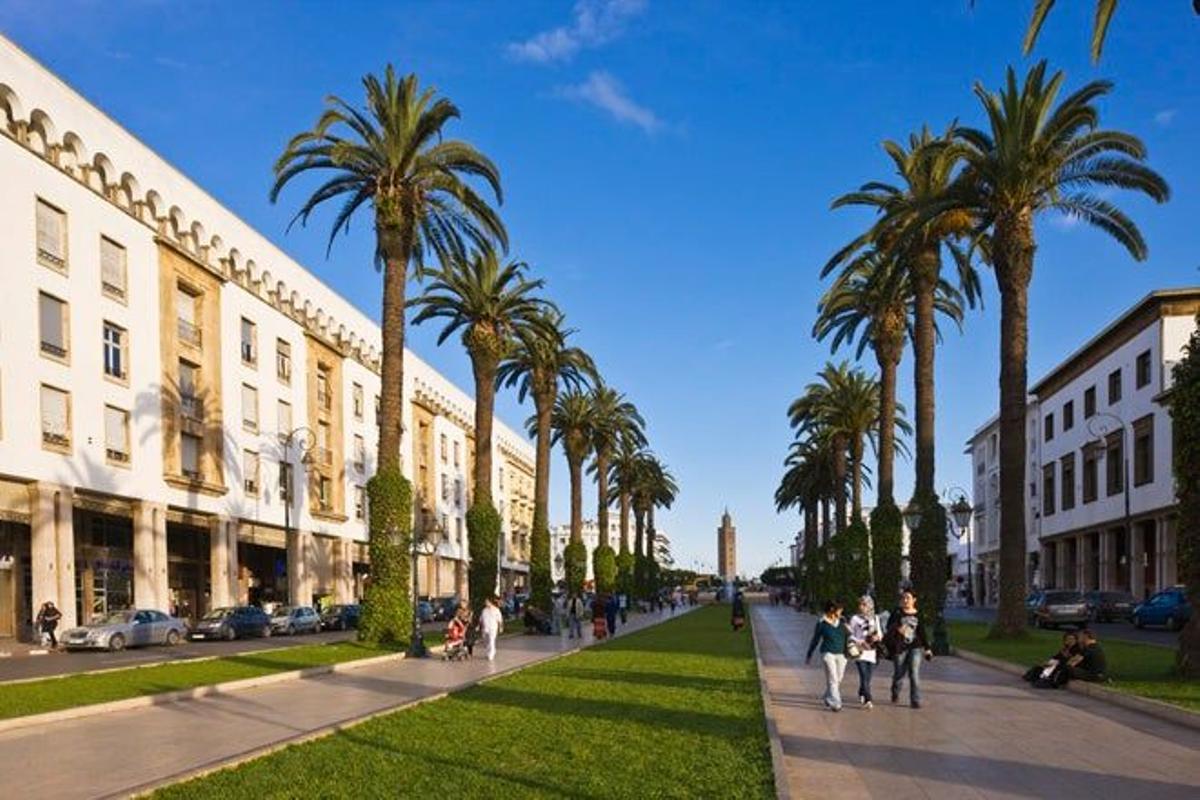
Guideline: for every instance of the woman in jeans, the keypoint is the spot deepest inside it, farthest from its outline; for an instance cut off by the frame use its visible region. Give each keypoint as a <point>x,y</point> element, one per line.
<point>907,642</point>
<point>865,635</point>
<point>830,634</point>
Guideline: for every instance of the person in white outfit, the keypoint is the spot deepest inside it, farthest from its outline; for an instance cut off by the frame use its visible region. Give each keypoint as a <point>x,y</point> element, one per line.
<point>865,635</point>
<point>490,625</point>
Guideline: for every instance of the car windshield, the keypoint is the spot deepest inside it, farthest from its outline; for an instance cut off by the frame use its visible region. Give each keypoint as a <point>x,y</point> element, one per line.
<point>113,618</point>
<point>218,613</point>
<point>1062,598</point>
<point>284,611</point>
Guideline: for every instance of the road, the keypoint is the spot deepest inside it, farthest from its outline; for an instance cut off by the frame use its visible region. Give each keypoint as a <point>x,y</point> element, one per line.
<point>1123,631</point>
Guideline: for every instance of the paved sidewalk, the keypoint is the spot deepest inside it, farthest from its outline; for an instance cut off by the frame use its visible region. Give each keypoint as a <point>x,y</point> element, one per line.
<point>979,733</point>
<point>116,754</point>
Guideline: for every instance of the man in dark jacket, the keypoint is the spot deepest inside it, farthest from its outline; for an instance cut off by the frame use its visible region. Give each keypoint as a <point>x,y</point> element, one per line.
<point>1090,665</point>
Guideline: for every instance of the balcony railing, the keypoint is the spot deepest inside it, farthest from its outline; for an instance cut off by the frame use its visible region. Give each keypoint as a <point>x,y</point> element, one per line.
<point>55,438</point>
<point>112,289</point>
<point>58,351</point>
<point>190,473</point>
<point>116,455</point>
<point>191,407</point>
<point>189,332</point>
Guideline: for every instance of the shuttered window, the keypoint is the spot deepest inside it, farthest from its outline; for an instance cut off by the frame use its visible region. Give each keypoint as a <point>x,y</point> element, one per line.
<point>116,434</point>
<point>249,407</point>
<point>189,454</point>
<point>52,325</point>
<point>51,236</point>
<point>113,280</point>
<point>56,417</point>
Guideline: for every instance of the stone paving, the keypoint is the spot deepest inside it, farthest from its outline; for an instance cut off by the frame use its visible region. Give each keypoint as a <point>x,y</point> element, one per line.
<point>979,734</point>
<point>113,755</point>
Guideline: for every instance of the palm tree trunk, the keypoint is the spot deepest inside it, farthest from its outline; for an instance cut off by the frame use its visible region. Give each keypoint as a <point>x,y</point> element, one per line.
<point>839,486</point>
<point>810,528</point>
<point>927,266</point>
<point>575,468</point>
<point>650,533</point>
<point>888,361</point>
<point>540,574</point>
<point>624,518</point>
<point>484,367</point>
<point>396,245</point>
<point>856,466</point>
<point>825,522</point>
<point>639,540</point>
<point>1013,256</point>
<point>602,495</point>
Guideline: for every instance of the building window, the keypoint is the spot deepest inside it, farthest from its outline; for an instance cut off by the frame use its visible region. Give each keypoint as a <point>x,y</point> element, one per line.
<point>458,530</point>
<point>500,484</point>
<point>113,276</point>
<point>360,503</point>
<point>116,435</point>
<point>1048,424</point>
<point>456,454</point>
<point>250,472</point>
<point>1068,415</point>
<point>283,418</point>
<point>190,404</point>
<point>1143,450</point>
<point>52,326</point>
<point>323,454</point>
<point>356,395</point>
<point>1114,463</point>
<point>1114,387</point>
<point>1143,370</point>
<point>1047,490</point>
<point>458,492</point>
<point>187,315</point>
<point>1089,402</point>
<point>190,447</point>
<point>360,453</point>
<point>249,343</point>
<point>1091,473</point>
<point>1068,481</point>
<point>249,407</point>
<point>445,448</point>
<point>445,527</point>
<point>51,236</point>
<point>445,487</point>
<point>324,395</point>
<point>116,357</point>
<point>324,493</point>
<point>285,481</point>
<point>283,361</point>
<point>56,418</point>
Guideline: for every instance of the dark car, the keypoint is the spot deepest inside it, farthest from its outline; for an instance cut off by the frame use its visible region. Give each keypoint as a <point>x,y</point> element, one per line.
<point>444,608</point>
<point>341,617</point>
<point>232,623</point>
<point>1055,607</point>
<point>1169,608</point>
<point>1109,606</point>
<point>425,611</point>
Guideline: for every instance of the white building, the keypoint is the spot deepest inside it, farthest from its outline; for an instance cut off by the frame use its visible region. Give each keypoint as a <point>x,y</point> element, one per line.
<point>154,353</point>
<point>1101,510</point>
<point>560,537</point>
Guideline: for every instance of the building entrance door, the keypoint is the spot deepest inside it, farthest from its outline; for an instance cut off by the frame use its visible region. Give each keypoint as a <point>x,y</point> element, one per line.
<point>8,600</point>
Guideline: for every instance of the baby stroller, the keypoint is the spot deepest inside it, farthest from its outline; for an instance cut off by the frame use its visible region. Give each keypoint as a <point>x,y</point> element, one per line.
<point>456,648</point>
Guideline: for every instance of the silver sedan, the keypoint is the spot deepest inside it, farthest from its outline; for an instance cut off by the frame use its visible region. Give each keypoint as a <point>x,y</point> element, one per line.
<point>130,628</point>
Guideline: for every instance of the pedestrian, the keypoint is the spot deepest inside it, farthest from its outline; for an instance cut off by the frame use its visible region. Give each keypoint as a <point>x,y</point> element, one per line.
<point>560,611</point>
<point>830,635</point>
<point>611,607</point>
<point>491,622</point>
<point>738,617</point>
<point>1090,665</point>
<point>624,608</point>
<point>674,599</point>
<point>907,643</point>
<point>463,615</point>
<point>575,616</point>
<point>599,616</point>
<point>47,622</point>
<point>865,635</point>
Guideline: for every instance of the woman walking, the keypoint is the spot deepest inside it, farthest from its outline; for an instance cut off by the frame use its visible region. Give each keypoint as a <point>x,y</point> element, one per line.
<point>907,643</point>
<point>865,636</point>
<point>491,622</point>
<point>830,634</point>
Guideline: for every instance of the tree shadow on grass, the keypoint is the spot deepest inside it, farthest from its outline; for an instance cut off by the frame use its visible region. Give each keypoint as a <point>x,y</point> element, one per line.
<point>668,680</point>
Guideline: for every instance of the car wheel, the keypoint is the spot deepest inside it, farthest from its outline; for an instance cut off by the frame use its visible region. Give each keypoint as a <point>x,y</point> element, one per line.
<point>341,625</point>
<point>266,632</point>
<point>1171,623</point>
<point>172,638</point>
<point>1137,621</point>
<point>116,643</point>
<point>291,630</point>
<point>230,633</point>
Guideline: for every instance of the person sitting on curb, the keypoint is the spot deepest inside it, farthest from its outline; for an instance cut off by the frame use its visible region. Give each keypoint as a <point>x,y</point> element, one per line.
<point>1054,672</point>
<point>1090,665</point>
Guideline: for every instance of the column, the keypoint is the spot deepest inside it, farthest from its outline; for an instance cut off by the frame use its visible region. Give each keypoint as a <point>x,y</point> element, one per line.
<point>295,567</point>
<point>223,561</point>
<point>1108,560</point>
<point>150,587</point>
<point>52,549</point>
<point>1137,571</point>
<point>460,579</point>
<point>1169,530</point>
<point>1060,564</point>
<point>342,569</point>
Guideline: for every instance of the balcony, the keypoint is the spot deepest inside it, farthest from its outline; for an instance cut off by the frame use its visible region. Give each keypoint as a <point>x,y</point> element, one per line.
<point>191,406</point>
<point>56,439</point>
<point>189,332</point>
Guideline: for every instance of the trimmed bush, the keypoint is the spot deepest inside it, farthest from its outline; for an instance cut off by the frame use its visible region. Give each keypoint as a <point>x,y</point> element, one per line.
<point>1185,419</point>
<point>887,538</point>
<point>927,560</point>
<point>387,607</point>
<point>604,567</point>
<point>575,566</point>
<point>855,568</point>
<point>483,528</point>
<point>625,562</point>
<point>541,580</point>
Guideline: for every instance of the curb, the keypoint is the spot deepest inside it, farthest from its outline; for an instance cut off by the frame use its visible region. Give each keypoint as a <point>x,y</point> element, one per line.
<point>1153,708</point>
<point>95,709</point>
<point>782,789</point>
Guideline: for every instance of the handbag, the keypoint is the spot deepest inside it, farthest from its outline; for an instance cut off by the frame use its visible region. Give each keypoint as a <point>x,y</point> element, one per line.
<point>852,649</point>
<point>881,647</point>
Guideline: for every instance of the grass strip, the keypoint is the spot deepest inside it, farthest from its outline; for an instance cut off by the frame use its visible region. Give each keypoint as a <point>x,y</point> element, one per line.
<point>55,694</point>
<point>670,711</point>
<point>1145,670</point>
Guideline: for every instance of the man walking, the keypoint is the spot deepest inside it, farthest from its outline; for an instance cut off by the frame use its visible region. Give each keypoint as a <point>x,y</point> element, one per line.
<point>575,616</point>
<point>490,625</point>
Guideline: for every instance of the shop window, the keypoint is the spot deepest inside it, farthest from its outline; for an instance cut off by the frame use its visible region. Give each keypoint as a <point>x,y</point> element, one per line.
<point>56,418</point>
<point>51,236</point>
<point>53,327</point>
<point>116,435</point>
<point>113,275</point>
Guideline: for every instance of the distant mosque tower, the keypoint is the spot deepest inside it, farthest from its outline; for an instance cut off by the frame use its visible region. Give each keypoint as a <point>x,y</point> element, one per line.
<point>727,548</point>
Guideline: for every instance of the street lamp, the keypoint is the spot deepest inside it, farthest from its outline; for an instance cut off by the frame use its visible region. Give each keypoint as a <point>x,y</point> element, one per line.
<point>961,512</point>
<point>424,543</point>
<point>1099,430</point>
<point>912,516</point>
<point>304,440</point>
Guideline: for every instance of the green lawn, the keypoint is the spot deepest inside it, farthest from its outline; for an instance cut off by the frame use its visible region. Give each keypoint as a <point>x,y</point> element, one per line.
<point>53,694</point>
<point>1142,669</point>
<point>671,711</point>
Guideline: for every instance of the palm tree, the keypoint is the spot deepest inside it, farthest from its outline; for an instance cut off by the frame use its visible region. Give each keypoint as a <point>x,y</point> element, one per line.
<point>571,423</point>
<point>1104,14</point>
<point>538,363</point>
<point>655,488</point>
<point>492,304</point>
<point>615,421</point>
<point>393,157</point>
<point>1036,155</point>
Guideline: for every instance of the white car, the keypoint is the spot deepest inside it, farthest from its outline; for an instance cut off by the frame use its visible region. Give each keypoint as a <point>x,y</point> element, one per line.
<point>130,628</point>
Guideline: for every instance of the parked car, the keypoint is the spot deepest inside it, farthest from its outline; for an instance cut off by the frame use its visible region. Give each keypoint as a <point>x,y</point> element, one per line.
<point>425,611</point>
<point>341,617</point>
<point>1055,607</point>
<point>291,620</point>
<point>130,628</point>
<point>1109,606</point>
<point>1169,607</point>
<point>231,623</point>
<point>445,608</point>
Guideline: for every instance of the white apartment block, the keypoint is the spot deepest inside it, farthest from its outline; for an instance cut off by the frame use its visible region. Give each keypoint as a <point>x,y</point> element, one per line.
<point>560,537</point>
<point>1101,510</point>
<point>155,352</point>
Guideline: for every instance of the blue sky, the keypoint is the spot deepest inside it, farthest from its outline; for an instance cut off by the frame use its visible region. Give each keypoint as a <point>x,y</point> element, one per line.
<point>668,169</point>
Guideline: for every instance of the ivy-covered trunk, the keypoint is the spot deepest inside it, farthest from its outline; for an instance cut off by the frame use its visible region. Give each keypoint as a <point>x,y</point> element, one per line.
<point>839,485</point>
<point>602,500</point>
<point>887,353</point>
<point>856,478</point>
<point>1185,420</point>
<point>541,579</point>
<point>387,612</point>
<point>926,267</point>
<point>483,520</point>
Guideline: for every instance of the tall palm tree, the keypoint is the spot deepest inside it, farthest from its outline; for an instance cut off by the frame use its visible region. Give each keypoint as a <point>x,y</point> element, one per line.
<point>538,363</point>
<point>1104,14</point>
<point>571,423</point>
<point>1036,155</point>
<point>656,488</point>
<point>491,304</point>
<point>615,421</point>
<point>393,157</point>
<point>621,474</point>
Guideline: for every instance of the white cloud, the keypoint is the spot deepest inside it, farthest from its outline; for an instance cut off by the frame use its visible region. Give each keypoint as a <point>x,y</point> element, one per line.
<point>594,23</point>
<point>1165,117</point>
<point>605,92</point>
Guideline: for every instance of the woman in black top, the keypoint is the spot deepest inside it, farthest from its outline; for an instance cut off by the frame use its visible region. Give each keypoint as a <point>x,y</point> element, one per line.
<point>1054,671</point>
<point>738,618</point>
<point>906,642</point>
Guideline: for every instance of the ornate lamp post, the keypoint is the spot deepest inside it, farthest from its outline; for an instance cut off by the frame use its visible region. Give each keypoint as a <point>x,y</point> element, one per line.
<point>912,516</point>
<point>424,543</point>
<point>961,512</point>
